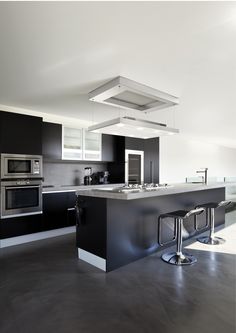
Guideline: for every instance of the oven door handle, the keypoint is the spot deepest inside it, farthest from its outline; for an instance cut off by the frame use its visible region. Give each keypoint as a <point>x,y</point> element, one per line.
<point>18,187</point>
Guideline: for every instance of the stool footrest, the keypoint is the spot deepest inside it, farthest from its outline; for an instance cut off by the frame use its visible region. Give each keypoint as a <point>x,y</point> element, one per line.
<point>206,225</point>
<point>159,240</point>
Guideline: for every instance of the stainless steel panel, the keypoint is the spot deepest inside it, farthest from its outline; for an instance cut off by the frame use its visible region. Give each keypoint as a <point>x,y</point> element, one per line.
<point>24,185</point>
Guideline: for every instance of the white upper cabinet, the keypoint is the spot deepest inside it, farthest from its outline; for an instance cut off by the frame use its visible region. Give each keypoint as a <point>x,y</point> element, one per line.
<point>79,144</point>
<point>72,139</point>
<point>92,146</point>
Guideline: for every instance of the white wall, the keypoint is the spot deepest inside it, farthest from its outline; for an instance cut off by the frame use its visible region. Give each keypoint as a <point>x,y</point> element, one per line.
<point>181,156</point>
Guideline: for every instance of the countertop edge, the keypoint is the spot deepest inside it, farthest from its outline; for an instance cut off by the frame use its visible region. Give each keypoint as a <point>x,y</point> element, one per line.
<point>59,189</point>
<point>174,189</point>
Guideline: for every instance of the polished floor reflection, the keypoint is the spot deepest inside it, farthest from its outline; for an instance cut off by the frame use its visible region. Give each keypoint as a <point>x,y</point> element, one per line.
<point>228,233</point>
<point>44,288</point>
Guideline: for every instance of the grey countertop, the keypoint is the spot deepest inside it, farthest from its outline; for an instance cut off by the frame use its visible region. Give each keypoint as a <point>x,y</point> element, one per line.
<point>172,189</point>
<point>74,188</point>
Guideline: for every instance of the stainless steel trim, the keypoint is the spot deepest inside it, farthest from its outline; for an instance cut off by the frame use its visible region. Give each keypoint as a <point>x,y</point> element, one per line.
<point>22,214</point>
<point>134,152</point>
<point>18,187</point>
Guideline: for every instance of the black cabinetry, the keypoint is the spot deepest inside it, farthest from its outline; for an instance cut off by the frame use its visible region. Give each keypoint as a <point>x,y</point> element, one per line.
<point>58,210</point>
<point>52,141</point>
<point>22,225</point>
<point>108,145</point>
<point>20,134</point>
<point>114,152</point>
<point>151,158</point>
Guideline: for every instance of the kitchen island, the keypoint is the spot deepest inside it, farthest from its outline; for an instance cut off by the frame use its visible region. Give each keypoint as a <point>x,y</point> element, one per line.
<point>116,228</point>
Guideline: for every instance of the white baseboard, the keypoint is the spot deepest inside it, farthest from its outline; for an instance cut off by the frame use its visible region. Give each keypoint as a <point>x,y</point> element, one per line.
<point>92,259</point>
<point>34,237</point>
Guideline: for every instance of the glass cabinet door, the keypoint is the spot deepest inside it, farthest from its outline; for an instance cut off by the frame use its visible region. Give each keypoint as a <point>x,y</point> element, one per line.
<point>72,143</point>
<point>134,166</point>
<point>92,146</point>
<point>134,171</point>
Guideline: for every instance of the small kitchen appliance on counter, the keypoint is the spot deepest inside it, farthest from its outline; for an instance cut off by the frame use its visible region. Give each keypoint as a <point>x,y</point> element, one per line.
<point>87,176</point>
<point>99,178</point>
<point>105,177</point>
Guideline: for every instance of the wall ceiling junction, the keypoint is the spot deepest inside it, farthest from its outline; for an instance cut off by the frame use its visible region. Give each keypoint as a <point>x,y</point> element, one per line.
<point>54,53</point>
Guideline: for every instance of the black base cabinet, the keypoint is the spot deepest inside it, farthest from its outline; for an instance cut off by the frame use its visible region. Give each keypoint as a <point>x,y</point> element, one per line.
<point>19,226</point>
<point>58,210</point>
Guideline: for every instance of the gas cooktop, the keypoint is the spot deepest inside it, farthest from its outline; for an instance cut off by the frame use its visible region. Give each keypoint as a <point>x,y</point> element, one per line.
<point>144,187</point>
<point>134,188</point>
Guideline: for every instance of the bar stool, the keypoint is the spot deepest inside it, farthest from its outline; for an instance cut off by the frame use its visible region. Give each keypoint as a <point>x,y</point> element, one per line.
<point>210,209</point>
<point>178,257</point>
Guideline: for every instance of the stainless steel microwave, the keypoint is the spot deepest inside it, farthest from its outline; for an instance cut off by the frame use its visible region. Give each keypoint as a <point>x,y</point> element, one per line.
<point>21,166</point>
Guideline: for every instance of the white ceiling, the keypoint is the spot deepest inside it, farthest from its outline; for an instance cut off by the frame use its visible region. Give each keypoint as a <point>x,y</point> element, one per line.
<point>53,53</point>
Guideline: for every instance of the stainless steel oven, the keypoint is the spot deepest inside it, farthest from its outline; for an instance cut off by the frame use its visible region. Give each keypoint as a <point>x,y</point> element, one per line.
<point>21,166</point>
<point>21,197</point>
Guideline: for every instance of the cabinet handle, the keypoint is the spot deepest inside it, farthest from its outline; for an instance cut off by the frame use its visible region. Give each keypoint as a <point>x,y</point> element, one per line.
<point>151,172</point>
<point>79,213</point>
<point>70,209</point>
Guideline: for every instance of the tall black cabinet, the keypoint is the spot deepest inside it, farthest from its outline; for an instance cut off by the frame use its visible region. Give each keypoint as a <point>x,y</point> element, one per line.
<point>150,147</point>
<point>20,134</point>
<point>52,141</point>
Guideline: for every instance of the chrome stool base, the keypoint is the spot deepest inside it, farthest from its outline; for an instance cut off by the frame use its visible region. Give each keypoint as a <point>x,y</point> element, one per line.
<point>211,241</point>
<point>180,260</point>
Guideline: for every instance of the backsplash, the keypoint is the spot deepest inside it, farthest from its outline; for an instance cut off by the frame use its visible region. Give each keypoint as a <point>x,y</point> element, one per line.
<point>68,173</point>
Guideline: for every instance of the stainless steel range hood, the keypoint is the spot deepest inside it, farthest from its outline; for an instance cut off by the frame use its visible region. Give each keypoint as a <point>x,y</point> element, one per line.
<point>124,93</point>
<point>132,127</point>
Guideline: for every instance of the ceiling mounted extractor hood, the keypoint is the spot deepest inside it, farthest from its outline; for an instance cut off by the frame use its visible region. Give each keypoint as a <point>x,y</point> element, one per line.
<point>124,93</point>
<point>137,128</point>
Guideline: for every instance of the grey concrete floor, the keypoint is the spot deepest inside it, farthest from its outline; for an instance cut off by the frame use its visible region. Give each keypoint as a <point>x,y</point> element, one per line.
<point>44,288</point>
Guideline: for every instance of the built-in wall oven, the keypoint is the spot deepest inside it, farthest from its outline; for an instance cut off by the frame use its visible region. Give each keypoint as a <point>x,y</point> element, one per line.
<point>21,166</point>
<point>134,166</point>
<point>21,185</point>
<point>21,197</point>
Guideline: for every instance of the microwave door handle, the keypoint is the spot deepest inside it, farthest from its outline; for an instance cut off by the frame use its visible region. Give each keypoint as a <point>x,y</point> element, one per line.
<point>18,187</point>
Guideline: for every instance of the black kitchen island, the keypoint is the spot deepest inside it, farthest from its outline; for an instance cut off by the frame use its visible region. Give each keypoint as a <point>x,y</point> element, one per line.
<point>115,229</point>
